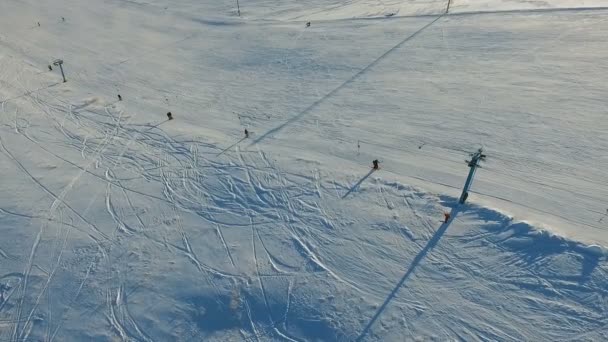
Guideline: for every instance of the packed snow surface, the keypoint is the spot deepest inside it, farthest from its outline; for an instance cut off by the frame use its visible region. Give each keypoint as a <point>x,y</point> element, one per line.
<point>119,224</point>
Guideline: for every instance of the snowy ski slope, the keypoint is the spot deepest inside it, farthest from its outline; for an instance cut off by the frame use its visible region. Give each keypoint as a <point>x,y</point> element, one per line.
<point>117,224</point>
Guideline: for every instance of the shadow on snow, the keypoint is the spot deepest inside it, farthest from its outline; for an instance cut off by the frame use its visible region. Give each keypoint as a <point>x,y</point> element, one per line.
<point>354,187</point>
<point>421,255</point>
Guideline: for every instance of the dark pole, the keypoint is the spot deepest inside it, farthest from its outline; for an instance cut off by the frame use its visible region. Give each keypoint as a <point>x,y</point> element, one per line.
<point>238,7</point>
<point>62,74</point>
<point>473,164</point>
<point>59,62</point>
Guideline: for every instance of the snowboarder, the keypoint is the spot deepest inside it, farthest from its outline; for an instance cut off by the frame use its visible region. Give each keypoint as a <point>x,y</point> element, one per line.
<point>308,24</point>
<point>375,162</point>
<point>246,133</point>
<point>119,97</point>
<point>446,217</point>
<point>170,116</point>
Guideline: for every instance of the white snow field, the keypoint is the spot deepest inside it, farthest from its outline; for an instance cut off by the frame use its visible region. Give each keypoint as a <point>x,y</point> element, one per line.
<point>118,224</point>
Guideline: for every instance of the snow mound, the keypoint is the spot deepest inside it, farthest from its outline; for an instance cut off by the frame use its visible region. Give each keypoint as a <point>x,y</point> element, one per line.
<point>526,237</point>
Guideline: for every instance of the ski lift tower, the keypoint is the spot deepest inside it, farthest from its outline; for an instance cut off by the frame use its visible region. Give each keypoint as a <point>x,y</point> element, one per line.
<point>59,63</point>
<point>476,158</point>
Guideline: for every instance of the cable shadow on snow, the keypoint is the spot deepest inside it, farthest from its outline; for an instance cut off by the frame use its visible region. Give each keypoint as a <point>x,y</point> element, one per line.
<point>421,255</point>
<point>354,187</point>
<point>231,146</point>
<point>344,84</point>
<point>155,126</point>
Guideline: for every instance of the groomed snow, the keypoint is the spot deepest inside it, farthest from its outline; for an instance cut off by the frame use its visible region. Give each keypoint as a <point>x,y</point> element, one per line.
<point>117,224</point>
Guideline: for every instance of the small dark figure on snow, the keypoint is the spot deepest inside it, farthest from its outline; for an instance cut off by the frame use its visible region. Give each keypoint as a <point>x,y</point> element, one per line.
<point>375,162</point>
<point>446,217</point>
<point>170,116</point>
<point>308,24</point>
<point>62,19</point>
<point>50,68</point>
<point>246,133</point>
<point>38,24</point>
<point>119,97</point>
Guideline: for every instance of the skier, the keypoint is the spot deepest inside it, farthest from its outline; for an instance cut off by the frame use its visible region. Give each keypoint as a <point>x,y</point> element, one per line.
<point>446,217</point>
<point>170,116</point>
<point>119,97</point>
<point>375,162</point>
<point>246,133</point>
<point>308,24</point>
<point>50,68</point>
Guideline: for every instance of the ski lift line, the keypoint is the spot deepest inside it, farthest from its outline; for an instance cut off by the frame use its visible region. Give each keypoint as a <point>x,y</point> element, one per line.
<point>410,140</point>
<point>415,151</point>
<point>510,161</point>
<point>422,143</point>
<point>416,142</point>
<point>528,180</point>
<point>538,210</point>
<point>388,169</point>
<point>385,168</point>
<point>496,197</point>
<point>507,160</point>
